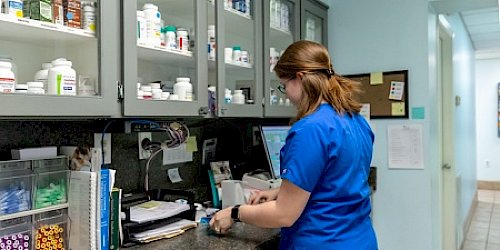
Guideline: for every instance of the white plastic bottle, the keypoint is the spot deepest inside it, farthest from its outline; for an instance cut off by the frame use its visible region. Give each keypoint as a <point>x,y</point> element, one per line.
<point>62,78</point>
<point>43,74</point>
<point>7,77</point>
<point>170,37</point>
<point>182,40</point>
<point>227,96</point>
<point>89,18</point>
<point>237,54</point>
<point>238,97</point>
<point>183,88</point>
<point>153,24</point>
<point>141,28</point>
<point>211,42</point>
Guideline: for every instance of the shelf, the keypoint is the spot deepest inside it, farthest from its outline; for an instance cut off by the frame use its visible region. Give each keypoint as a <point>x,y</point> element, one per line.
<point>33,212</point>
<point>162,55</point>
<point>211,65</point>
<point>38,32</point>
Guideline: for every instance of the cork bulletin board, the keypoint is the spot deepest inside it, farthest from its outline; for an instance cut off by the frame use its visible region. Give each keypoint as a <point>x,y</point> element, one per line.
<point>386,92</point>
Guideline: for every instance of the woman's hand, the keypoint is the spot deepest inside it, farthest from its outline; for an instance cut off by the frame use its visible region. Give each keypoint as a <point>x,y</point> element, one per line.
<point>258,197</point>
<point>221,222</point>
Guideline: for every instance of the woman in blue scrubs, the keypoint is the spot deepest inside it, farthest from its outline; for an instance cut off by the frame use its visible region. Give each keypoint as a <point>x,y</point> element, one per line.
<point>324,198</point>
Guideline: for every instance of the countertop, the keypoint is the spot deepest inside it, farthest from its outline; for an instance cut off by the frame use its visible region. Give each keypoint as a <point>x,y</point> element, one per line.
<point>241,236</point>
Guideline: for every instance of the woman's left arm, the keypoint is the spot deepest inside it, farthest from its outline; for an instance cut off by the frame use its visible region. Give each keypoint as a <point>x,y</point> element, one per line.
<point>282,212</point>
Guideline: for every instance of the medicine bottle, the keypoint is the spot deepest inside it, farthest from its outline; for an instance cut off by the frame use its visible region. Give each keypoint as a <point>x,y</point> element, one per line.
<point>43,74</point>
<point>227,96</point>
<point>170,37</point>
<point>22,88</point>
<point>236,54</point>
<point>244,57</point>
<point>141,28</point>
<point>183,89</point>
<point>88,18</point>
<point>211,42</point>
<point>182,40</point>
<point>7,77</point>
<point>153,24</point>
<point>36,88</point>
<point>62,78</point>
<point>238,97</point>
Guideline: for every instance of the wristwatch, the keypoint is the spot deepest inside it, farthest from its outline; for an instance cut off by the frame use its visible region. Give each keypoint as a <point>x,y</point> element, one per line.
<point>235,213</point>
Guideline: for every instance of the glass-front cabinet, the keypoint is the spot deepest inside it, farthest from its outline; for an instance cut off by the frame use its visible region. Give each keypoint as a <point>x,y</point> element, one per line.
<point>53,58</point>
<point>314,25</point>
<point>165,57</point>
<point>281,28</point>
<point>236,74</point>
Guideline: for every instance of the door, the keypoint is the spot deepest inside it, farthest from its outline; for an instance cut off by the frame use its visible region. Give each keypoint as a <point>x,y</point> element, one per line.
<point>237,70</point>
<point>281,28</point>
<point>164,58</point>
<point>85,81</point>
<point>446,108</point>
<point>314,25</point>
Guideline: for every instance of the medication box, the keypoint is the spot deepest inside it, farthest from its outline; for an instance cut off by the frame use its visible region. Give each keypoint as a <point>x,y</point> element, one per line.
<point>33,153</point>
<point>16,233</point>
<point>51,182</point>
<point>15,187</point>
<point>51,230</point>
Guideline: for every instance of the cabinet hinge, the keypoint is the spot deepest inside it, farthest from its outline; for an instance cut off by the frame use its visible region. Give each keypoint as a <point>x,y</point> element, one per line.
<point>119,85</point>
<point>263,101</point>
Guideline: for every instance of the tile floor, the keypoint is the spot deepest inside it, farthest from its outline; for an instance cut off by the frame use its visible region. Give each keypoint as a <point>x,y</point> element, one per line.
<point>484,231</point>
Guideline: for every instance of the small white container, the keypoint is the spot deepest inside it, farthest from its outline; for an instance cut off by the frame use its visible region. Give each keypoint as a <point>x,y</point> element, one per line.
<point>173,97</point>
<point>155,85</point>
<point>170,37</point>
<point>36,91</point>
<point>236,54</point>
<point>35,85</point>
<point>43,74</point>
<point>183,88</point>
<point>147,95</point>
<point>227,96</point>
<point>62,78</point>
<point>238,97</point>
<point>141,28</point>
<point>244,57</point>
<point>140,94</point>
<point>153,24</point>
<point>228,55</point>
<point>165,95</point>
<point>146,88</point>
<point>22,88</point>
<point>7,77</point>
<point>89,18</point>
<point>182,39</point>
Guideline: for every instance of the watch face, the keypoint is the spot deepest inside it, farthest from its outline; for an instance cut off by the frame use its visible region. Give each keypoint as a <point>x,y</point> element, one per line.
<point>235,212</point>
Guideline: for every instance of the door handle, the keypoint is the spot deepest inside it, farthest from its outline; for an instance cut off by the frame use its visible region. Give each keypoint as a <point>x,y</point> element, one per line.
<point>446,166</point>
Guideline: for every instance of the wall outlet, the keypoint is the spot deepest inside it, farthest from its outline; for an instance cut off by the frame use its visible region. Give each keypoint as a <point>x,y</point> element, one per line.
<point>143,153</point>
<point>106,145</point>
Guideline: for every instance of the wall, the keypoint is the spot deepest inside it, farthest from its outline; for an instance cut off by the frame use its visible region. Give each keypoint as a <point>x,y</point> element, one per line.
<point>364,37</point>
<point>487,79</point>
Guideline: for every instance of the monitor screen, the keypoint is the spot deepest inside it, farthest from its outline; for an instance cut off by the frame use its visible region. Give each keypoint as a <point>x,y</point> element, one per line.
<point>274,138</point>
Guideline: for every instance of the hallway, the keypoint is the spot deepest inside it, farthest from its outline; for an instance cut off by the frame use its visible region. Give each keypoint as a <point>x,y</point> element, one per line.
<point>484,231</point>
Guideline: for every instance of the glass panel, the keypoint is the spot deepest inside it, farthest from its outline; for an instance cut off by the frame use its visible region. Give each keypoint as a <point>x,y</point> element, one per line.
<point>239,52</point>
<point>166,63</point>
<point>314,28</point>
<point>281,35</point>
<point>46,48</point>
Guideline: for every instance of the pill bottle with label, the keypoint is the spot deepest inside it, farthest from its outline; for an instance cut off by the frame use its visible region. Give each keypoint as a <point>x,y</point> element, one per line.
<point>182,40</point>
<point>62,78</point>
<point>211,42</point>
<point>141,28</point>
<point>153,24</point>
<point>170,37</point>
<point>7,76</point>
<point>89,17</point>
<point>43,74</point>
<point>236,54</point>
<point>183,88</point>
<point>22,88</point>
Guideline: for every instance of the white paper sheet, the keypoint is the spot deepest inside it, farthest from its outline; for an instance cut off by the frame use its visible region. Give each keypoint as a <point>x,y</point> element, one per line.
<point>405,146</point>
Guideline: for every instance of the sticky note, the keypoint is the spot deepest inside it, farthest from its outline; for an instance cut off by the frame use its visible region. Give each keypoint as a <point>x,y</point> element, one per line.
<point>398,108</point>
<point>174,175</point>
<point>149,204</point>
<point>376,78</point>
<point>191,145</point>
<point>418,113</point>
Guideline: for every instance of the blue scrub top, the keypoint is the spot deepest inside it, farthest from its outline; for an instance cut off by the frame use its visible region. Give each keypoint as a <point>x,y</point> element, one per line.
<point>329,156</point>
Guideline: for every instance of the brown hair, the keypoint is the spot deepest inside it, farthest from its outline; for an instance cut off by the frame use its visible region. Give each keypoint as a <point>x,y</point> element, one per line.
<point>319,82</point>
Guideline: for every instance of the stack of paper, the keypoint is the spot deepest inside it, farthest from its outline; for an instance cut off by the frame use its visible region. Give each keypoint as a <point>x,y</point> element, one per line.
<point>156,210</point>
<point>167,231</point>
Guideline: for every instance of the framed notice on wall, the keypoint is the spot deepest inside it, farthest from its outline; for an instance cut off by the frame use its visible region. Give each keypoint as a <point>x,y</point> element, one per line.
<point>385,92</point>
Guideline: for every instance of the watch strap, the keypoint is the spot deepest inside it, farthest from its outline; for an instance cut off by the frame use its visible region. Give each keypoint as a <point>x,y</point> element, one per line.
<point>235,213</point>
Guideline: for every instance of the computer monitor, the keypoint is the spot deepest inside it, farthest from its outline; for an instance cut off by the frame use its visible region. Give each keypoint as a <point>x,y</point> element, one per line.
<point>273,138</point>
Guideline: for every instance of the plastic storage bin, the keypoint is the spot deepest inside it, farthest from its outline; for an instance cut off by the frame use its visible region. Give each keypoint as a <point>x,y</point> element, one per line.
<point>51,182</point>
<point>51,230</point>
<point>16,233</point>
<point>16,186</point>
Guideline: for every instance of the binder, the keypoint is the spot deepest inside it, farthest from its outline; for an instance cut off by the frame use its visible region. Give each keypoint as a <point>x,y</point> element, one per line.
<point>114,217</point>
<point>83,210</point>
<point>104,209</point>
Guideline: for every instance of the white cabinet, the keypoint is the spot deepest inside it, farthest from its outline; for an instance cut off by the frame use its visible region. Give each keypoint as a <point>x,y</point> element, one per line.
<point>94,56</point>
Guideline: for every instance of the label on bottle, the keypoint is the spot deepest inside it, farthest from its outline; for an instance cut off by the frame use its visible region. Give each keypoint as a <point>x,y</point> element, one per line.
<point>7,85</point>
